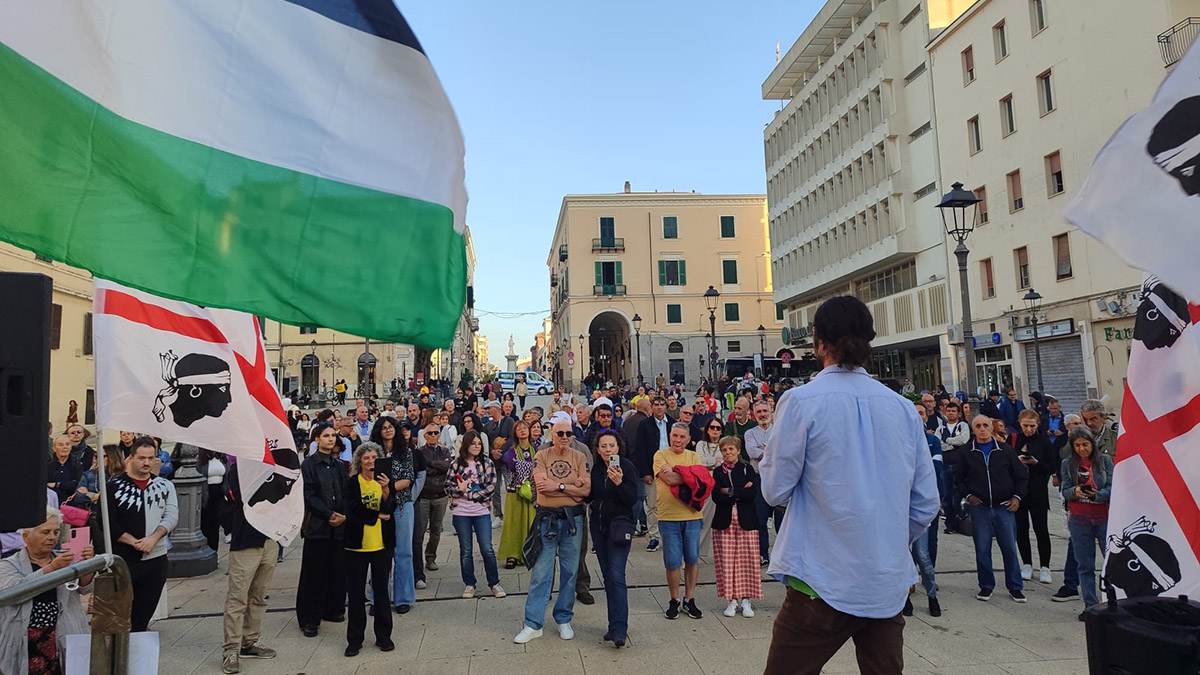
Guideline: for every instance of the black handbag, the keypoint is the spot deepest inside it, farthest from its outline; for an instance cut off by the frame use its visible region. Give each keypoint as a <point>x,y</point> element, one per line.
<point>532,548</point>
<point>620,531</point>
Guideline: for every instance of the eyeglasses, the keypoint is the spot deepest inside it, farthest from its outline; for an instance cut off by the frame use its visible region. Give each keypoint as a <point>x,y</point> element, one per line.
<point>713,426</point>
<point>431,433</point>
<point>563,434</point>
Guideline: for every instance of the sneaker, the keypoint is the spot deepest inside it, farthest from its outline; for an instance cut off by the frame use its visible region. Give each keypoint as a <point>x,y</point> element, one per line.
<point>257,652</point>
<point>653,545</point>
<point>431,566</point>
<point>565,631</point>
<point>1065,594</point>
<point>673,610</point>
<point>640,531</point>
<point>469,592</point>
<point>231,664</point>
<point>984,594</point>
<point>908,607</point>
<point>747,610</point>
<point>498,592</point>
<point>421,585</point>
<point>763,561</point>
<point>1017,596</point>
<point>731,609</point>
<point>618,642</point>
<point>1045,576</point>
<point>1026,572</point>
<point>527,634</point>
<point>585,598</point>
<point>497,523</point>
<point>935,608</point>
<point>949,530</point>
<point>403,609</point>
<point>228,538</point>
<point>690,608</point>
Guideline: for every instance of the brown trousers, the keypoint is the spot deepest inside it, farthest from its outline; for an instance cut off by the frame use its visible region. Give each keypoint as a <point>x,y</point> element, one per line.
<point>808,633</point>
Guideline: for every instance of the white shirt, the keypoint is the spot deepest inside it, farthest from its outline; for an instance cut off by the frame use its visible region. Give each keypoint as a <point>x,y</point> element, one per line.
<point>858,493</point>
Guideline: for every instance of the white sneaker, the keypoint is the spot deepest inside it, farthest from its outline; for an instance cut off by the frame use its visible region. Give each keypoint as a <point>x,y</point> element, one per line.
<point>1026,572</point>
<point>498,592</point>
<point>497,523</point>
<point>421,585</point>
<point>747,610</point>
<point>565,631</point>
<point>731,609</point>
<point>1045,577</point>
<point>469,592</point>
<point>527,634</point>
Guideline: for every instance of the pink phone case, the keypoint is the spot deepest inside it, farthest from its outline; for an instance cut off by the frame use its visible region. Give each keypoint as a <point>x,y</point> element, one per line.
<point>81,538</point>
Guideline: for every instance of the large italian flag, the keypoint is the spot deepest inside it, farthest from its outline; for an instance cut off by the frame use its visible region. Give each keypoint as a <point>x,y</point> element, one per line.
<point>297,159</point>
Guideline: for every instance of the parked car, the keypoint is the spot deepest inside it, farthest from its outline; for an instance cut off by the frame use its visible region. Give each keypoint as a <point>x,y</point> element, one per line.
<point>534,382</point>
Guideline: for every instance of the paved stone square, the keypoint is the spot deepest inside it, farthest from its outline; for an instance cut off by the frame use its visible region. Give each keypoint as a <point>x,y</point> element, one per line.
<point>446,635</point>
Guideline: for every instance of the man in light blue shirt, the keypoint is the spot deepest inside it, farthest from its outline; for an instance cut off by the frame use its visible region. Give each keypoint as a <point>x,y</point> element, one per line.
<point>848,457</point>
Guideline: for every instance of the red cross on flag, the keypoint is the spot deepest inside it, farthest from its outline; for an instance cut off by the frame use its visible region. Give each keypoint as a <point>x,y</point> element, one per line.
<point>1142,199</point>
<point>199,376</point>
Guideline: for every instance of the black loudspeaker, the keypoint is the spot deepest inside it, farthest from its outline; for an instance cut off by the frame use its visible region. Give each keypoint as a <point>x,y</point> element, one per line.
<point>1144,636</point>
<point>24,398</point>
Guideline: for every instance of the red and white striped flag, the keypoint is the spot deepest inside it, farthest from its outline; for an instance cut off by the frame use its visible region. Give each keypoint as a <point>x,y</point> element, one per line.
<point>199,376</point>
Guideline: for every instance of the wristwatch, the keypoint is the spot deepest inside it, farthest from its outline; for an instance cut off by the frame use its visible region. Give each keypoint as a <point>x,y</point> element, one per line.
<point>562,487</point>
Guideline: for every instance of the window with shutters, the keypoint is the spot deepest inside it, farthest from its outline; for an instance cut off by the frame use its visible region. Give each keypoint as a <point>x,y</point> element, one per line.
<point>55,326</point>
<point>989,281</point>
<point>672,273</point>
<point>728,228</point>
<point>1000,40</point>
<point>1062,257</point>
<point>981,195</point>
<point>1054,175</point>
<point>1045,87</point>
<point>1016,201</point>
<point>670,227</point>
<point>608,279</point>
<point>733,312</point>
<point>308,330</point>
<point>779,310</point>
<point>674,313</point>
<point>733,346</point>
<point>1008,116</point>
<point>974,135</point>
<point>729,272</point>
<point>968,66</point>
<point>87,333</point>
<point>1021,261</point>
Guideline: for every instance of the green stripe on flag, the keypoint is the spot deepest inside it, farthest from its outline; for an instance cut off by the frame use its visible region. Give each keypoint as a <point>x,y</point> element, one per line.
<point>182,220</point>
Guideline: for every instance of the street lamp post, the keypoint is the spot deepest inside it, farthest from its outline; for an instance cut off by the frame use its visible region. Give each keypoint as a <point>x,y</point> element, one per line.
<point>962,206</point>
<point>582,387</point>
<point>710,302</point>
<point>637,328</point>
<point>762,349</point>
<point>1033,303</point>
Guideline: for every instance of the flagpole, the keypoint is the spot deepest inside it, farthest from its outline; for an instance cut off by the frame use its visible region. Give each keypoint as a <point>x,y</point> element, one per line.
<point>102,488</point>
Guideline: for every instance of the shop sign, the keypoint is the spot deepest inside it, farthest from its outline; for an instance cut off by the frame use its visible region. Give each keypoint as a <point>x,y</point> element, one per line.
<point>1045,330</point>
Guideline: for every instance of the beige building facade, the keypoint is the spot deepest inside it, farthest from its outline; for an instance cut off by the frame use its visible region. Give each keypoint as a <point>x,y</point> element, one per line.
<point>72,363</point>
<point>1026,97</point>
<point>851,167</point>
<point>652,255</point>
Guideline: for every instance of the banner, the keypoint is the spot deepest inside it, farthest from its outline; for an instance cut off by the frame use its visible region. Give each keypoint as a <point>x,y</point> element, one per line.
<point>199,376</point>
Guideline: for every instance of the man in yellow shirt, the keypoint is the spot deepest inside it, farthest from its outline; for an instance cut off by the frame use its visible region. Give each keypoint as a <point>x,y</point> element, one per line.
<point>678,523</point>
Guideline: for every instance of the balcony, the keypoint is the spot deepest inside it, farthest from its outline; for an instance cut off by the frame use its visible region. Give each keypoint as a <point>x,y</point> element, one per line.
<point>608,244</point>
<point>608,289</point>
<point>553,279</point>
<point>562,252</point>
<point>1174,43</point>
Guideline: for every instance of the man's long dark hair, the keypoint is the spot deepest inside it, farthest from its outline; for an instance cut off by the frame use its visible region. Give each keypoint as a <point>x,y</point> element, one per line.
<point>845,326</point>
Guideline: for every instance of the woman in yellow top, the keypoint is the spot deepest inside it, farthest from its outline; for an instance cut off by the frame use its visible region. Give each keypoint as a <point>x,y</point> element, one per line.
<point>369,540</point>
<point>679,524</point>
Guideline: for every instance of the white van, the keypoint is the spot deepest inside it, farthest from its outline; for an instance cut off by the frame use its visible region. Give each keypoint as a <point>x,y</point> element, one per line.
<point>534,382</point>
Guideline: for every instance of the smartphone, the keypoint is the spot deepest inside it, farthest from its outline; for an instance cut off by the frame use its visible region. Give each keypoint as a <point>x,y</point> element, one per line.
<point>615,461</point>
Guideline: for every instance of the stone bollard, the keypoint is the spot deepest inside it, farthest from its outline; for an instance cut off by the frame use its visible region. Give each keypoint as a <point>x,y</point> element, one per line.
<point>190,555</point>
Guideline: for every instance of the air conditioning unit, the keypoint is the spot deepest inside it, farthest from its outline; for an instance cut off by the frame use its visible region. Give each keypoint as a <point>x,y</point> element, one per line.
<point>1014,321</point>
<point>954,334</point>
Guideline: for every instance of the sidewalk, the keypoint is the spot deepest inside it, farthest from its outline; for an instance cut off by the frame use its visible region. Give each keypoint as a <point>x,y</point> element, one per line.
<point>446,635</point>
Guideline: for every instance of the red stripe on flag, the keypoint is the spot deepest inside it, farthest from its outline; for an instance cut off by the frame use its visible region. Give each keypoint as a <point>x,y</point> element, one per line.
<point>126,306</point>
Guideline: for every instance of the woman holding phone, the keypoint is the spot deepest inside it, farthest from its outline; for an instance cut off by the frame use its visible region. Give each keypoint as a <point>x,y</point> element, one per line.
<point>614,492</point>
<point>1086,483</point>
<point>470,484</point>
<point>369,538</point>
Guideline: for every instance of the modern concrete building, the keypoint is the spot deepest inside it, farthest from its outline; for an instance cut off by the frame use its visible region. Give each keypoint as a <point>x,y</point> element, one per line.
<point>72,364</point>
<point>652,255</point>
<point>1027,92</point>
<point>852,182</point>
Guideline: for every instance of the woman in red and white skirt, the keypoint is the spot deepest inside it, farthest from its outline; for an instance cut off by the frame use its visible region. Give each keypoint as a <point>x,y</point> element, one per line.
<point>735,529</point>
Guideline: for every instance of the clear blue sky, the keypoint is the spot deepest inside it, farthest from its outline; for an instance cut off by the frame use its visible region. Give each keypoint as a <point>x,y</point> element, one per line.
<point>559,98</point>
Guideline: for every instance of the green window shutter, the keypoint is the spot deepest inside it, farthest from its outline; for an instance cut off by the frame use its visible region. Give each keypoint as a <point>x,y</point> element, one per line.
<point>729,271</point>
<point>662,272</point>
<point>682,273</point>
<point>674,314</point>
<point>599,273</point>
<point>617,273</point>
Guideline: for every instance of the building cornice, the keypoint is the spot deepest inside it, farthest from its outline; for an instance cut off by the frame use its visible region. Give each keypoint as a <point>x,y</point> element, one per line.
<point>666,199</point>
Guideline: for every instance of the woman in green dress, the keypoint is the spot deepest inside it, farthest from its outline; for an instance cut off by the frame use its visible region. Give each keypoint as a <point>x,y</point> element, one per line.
<point>518,505</point>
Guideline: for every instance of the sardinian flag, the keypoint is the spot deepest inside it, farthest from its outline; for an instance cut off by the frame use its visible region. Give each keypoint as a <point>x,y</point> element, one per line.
<point>199,376</point>
<point>1142,199</point>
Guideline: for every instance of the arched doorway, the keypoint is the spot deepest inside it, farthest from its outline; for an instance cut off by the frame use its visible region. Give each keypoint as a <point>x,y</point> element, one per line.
<point>310,373</point>
<point>366,374</point>
<point>675,367</point>
<point>609,354</point>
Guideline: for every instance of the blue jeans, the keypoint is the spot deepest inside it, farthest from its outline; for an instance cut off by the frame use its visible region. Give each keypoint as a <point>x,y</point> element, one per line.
<point>1071,568</point>
<point>482,527</point>
<point>1000,523</point>
<point>1085,535</point>
<point>920,556</point>
<point>612,559</point>
<point>763,513</point>
<point>931,535</point>
<point>403,581</point>
<point>680,542</point>
<point>557,542</point>
<point>639,508</point>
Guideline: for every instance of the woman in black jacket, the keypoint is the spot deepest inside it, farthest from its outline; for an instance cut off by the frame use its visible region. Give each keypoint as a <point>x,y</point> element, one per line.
<point>614,492</point>
<point>369,538</point>
<point>1037,454</point>
<point>735,529</point>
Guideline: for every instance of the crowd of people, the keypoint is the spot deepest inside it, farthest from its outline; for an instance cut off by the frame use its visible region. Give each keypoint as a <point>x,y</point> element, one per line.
<point>589,474</point>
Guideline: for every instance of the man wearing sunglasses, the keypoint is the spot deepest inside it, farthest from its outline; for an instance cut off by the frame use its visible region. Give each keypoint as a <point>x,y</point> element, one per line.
<point>685,417</point>
<point>430,506</point>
